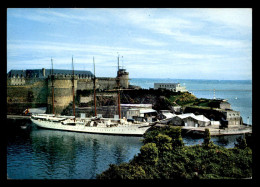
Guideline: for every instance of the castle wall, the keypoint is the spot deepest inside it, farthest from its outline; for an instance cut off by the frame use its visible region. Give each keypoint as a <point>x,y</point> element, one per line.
<point>24,92</point>
<point>63,94</point>
<point>16,81</point>
<point>106,83</point>
<point>85,84</point>
<point>20,97</point>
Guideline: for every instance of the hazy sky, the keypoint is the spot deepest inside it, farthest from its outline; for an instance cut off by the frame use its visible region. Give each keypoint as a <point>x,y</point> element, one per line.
<point>181,43</point>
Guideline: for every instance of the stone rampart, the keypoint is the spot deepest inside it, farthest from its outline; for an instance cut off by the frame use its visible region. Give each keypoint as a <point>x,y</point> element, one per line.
<point>24,92</point>
<point>20,97</point>
<point>63,93</point>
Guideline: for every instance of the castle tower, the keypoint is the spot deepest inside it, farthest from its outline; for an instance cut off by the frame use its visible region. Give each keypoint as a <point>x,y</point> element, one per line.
<point>62,93</point>
<point>124,78</point>
<point>43,72</point>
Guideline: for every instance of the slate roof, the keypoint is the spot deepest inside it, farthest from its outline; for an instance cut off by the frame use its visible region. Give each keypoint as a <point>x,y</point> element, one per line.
<point>39,73</point>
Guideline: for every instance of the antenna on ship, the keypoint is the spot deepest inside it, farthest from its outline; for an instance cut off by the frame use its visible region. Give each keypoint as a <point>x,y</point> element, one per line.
<point>94,80</point>
<point>73,90</point>
<point>118,90</point>
<point>52,86</point>
<point>122,63</point>
<point>118,62</point>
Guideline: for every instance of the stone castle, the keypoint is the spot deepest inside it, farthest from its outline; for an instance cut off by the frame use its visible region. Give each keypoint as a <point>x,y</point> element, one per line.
<point>32,88</point>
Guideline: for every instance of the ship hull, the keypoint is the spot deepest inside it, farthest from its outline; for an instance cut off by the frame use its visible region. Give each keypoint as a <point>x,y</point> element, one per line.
<point>130,129</point>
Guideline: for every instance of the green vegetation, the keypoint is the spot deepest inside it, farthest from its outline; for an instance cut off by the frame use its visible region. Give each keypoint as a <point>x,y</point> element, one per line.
<point>161,99</point>
<point>182,99</point>
<point>164,156</point>
<point>165,98</point>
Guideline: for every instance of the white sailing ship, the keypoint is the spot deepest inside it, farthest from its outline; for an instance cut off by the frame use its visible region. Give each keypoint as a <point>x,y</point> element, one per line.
<point>91,125</point>
<point>111,126</point>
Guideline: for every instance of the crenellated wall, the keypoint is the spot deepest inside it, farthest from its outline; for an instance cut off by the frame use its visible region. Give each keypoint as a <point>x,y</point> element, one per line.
<point>35,92</point>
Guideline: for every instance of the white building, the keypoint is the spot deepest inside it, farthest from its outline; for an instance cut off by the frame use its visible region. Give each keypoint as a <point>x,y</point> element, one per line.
<point>176,87</point>
<point>139,112</point>
<point>190,120</point>
<point>167,114</point>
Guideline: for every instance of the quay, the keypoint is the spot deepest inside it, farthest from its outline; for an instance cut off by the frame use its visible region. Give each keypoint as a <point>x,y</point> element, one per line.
<point>216,131</point>
<point>17,121</point>
<point>17,117</point>
<point>213,129</point>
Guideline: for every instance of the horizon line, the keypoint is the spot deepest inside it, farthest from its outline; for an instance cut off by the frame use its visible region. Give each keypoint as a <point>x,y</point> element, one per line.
<point>196,79</point>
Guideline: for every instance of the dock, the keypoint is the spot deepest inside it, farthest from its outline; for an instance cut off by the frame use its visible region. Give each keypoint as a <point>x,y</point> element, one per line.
<point>17,117</point>
<point>216,131</point>
<point>213,129</point>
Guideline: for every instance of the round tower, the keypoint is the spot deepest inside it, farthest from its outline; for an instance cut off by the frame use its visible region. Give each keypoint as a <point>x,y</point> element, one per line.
<point>124,78</point>
<point>63,95</point>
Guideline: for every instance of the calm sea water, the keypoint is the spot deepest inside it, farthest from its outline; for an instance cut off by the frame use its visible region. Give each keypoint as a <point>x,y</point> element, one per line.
<point>51,154</point>
<point>34,153</point>
<point>237,92</point>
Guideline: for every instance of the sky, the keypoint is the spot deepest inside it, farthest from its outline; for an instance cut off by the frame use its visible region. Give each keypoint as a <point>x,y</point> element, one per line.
<point>177,43</point>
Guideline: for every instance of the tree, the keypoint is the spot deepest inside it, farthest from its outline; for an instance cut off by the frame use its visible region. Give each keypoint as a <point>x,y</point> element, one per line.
<point>157,160</point>
<point>241,143</point>
<point>148,154</point>
<point>123,171</point>
<point>207,143</point>
<point>163,142</point>
<point>177,140</point>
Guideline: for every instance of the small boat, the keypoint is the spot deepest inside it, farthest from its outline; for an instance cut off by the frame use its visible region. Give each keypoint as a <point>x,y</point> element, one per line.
<point>24,127</point>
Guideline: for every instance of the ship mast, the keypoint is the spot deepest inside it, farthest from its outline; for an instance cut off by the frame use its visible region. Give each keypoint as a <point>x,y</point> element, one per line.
<point>118,91</point>
<point>73,90</point>
<point>52,86</point>
<point>94,80</point>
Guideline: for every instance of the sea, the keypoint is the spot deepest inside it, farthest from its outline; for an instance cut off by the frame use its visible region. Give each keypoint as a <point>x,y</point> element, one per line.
<point>237,92</point>
<point>34,153</point>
